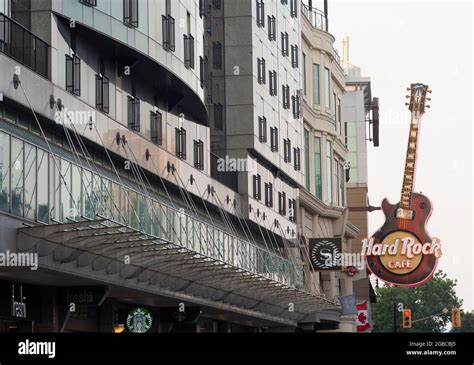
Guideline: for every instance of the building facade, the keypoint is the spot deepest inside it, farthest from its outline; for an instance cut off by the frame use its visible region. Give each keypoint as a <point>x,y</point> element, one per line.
<point>323,209</point>
<point>113,117</point>
<point>361,124</point>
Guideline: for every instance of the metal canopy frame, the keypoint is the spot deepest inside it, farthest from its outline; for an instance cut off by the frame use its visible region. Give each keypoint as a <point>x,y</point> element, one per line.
<point>176,267</point>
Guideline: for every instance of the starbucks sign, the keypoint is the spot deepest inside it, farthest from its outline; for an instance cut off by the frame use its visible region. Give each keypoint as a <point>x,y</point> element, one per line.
<point>139,320</point>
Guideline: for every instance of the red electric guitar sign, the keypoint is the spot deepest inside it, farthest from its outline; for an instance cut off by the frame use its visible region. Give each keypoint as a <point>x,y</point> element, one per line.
<point>401,252</point>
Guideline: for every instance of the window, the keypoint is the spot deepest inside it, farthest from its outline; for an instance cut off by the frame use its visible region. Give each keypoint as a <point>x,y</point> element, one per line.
<point>306,159</point>
<point>272,28</point>
<point>273,82</point>
<point>260,13</point>
<point>43,187</point>
<point>199,154</point>
<point>342,178</point>
<point>217,55</point>
<point>219,116</point>
<point>261,70</point>
<point>216,4</point>
<point>274,139</point>
<point>262,129</point>
<point>269,195</point>
<point>336,181</point>
<point>329,199</point>
<point>334,109</point>
<point>30,182</point>
<point>180,141</point>
<point>304,75</point>
<point>282,203</point>
<point>188,51</point>
<point>294,8</point>
<point>327,88</point>
<point>294,55</point>
<point>297,158</point>
<point>102,93</point>
<point>203,71</point>
<point>318,180</point>
<point>292,209</point>
<point>130,13</point>
<point>286,96</point>
<point>73,75</point>
<point>156,128</point>
<point>339,116</point>
<point>295,101</point>
<point>17,173</point>
<point>133,108</point>
<point>284,44</point>
<point>4,172</point>
<point>202,7</point>
<point>89,2</point>
<point>287,150</point>
<point>257,188</point>
<point>316,85</point>
<point>168,30</point>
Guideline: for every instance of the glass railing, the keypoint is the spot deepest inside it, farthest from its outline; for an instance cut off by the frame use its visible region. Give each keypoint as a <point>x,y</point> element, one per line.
<point>23,46</point>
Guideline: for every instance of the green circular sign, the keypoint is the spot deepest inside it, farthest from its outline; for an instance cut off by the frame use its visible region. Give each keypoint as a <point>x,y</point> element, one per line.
<point>139,320</point>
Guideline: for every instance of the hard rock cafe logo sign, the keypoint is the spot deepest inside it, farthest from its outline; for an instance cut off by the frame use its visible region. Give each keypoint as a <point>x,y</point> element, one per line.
<point>401,255</point>
<point>139,320</point>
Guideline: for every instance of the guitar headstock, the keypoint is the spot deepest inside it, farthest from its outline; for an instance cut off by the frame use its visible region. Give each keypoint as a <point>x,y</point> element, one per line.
<point>418,98</point>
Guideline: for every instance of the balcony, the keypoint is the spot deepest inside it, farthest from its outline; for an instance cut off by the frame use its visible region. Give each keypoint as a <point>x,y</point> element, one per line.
<point>23,46</point>
<point>316,17</point>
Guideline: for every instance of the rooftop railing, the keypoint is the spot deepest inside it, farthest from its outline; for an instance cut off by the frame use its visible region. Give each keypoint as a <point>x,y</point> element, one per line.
<point>23,46</point>
<point>316,17</point>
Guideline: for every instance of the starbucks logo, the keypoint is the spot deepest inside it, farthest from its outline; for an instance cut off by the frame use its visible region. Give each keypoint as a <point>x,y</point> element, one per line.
<point>139,320</point>
<point>325,254</point>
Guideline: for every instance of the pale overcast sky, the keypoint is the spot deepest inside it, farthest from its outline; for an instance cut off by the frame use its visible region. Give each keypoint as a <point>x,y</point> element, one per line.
<point>396,43</point>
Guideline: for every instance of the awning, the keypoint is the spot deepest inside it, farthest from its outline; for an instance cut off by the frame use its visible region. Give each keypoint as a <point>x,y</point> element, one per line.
<point>107,245</point>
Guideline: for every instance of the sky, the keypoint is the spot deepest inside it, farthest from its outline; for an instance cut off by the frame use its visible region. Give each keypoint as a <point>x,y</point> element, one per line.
<point>396,43</point>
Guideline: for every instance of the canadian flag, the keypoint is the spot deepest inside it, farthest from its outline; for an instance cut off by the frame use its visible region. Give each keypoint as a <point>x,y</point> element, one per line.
<point>362,321</point>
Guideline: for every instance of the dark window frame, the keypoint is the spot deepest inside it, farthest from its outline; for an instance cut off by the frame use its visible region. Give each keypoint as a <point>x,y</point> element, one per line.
<point>262,129</point>
<point>169,33</point>
<point>180,142</point>
<point>257,187</point>
<point>73,74</point>
<point>130,13</point>
<point>260,13</point>
<point>102,94</point>
<point>261,71</point>
<point>156,128</point>
<point>189,51</point>
<point>133,113</point>
<point>199,154</point>
<point>274,139</point>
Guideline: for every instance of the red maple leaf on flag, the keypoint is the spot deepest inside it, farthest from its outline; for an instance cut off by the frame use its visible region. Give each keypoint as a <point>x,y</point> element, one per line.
<point>362,317</point>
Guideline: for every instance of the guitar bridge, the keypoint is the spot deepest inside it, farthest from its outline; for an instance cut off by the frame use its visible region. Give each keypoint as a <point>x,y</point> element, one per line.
<point>404,213</point>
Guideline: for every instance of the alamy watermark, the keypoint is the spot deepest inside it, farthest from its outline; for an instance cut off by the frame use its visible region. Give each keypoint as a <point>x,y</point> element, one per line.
<point>20,259</point>
<point>231,164</point>
<point>76,117</point>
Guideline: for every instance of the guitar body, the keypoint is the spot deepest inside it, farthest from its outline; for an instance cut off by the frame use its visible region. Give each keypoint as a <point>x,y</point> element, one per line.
<point>422,267</point>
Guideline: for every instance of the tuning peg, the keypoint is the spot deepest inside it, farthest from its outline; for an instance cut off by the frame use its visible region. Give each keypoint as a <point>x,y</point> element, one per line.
<point>428,106</point>
<point>429,99</point>
<point>407,96</point>
<point>408,89</point>
<point>430,91</point>
<point>407,104</point>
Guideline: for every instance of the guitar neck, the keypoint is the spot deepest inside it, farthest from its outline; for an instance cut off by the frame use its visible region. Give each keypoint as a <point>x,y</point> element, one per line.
<point>410,164</point>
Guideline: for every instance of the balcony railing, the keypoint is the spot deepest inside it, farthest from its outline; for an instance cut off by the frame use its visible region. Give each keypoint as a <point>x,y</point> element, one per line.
<point>23,46</point>
<point>316,17</point>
